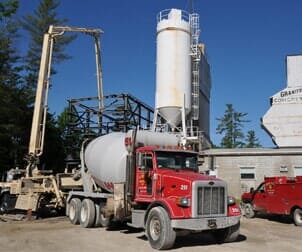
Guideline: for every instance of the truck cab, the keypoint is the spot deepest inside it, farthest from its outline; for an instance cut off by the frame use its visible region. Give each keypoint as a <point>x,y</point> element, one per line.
<point>168,183</point>
<point>257,197</point>
<point>155,164</point>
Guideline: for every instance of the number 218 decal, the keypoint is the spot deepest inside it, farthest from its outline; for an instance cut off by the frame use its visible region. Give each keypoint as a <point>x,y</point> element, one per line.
<point>183,187</point>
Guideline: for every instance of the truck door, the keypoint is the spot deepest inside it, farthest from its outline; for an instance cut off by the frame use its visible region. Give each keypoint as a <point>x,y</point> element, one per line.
<point>144,178</point>
<point>260,199</point>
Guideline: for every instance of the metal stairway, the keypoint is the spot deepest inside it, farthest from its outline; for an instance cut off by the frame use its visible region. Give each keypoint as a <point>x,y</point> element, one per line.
<point>195,54</point>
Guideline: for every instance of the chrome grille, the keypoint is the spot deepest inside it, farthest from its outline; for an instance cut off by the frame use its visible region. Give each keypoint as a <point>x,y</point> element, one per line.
<point>211,200</point>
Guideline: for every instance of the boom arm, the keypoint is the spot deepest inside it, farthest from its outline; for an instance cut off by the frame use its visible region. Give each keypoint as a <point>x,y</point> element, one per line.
<point>36,143</point>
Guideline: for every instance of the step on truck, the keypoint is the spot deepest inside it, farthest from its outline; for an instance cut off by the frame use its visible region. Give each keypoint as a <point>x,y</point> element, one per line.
<point>275,195</point>
<point>147,180</point>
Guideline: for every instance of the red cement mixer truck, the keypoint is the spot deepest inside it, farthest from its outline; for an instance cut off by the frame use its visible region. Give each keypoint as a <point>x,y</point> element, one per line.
<point>145,179</point>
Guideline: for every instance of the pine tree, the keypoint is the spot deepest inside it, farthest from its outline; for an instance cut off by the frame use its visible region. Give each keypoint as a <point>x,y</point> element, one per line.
<point>53,154</point>
<point>37,25</point>
<point>13,106</point>
<point>8,59</point>
<point>71,139</point>
<point>231,126</point>
<point>251,140</point>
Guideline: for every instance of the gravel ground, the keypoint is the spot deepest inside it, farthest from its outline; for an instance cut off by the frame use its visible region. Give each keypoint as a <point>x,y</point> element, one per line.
<point>57,234</point>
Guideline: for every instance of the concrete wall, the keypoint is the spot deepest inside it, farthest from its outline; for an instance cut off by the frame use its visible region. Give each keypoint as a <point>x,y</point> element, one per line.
<point>229,168</point>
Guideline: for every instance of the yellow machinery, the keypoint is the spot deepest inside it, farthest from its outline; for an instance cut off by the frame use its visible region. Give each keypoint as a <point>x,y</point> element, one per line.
<point>34,189</point>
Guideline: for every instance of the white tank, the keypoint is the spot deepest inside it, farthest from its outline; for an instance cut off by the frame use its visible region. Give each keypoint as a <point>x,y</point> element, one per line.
<point>173,66</point>
<point>105,157</point>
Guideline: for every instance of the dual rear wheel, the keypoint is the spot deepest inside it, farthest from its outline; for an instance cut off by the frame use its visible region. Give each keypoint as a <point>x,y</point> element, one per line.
<point>87,213</point>
<point>158,227</point>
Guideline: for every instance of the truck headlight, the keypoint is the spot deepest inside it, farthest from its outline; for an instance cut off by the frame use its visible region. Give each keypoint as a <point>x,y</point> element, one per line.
<point>231,201</point>
<point>183,201</point>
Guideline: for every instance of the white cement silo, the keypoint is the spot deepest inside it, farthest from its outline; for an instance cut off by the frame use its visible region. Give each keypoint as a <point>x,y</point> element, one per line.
<point>173,66</point>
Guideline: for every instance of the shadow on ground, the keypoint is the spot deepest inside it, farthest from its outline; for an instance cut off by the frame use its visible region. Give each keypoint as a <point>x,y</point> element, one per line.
<point>285,219</point>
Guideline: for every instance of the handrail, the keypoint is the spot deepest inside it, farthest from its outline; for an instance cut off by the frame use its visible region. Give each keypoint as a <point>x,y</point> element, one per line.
<point>164,14</point>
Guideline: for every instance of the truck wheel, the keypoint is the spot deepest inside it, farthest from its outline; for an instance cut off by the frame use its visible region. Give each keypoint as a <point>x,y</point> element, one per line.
<point>229,234</point>
<point>297,216</point>
<point>74,210</point>
<point>4,203</point>
<point>3,207</point>
<point>87,216</point>
<point>158,228</point>
<point>248,210</point>
<point>100,219</point>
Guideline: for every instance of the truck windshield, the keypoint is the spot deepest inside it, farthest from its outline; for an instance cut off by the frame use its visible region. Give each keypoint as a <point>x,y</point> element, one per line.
<point>176,160</point>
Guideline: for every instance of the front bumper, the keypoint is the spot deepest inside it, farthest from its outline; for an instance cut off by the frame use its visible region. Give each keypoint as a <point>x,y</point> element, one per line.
<point>200,224</point>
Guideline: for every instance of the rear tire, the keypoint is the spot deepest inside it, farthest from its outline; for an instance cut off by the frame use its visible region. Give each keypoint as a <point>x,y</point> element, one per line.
<point>74,210</point>
<point>87,215</point>
<point>297,216</point>
<point>100,219</point>
<point>249,211</point>
<point>158,229</point>
<point>4,203</point>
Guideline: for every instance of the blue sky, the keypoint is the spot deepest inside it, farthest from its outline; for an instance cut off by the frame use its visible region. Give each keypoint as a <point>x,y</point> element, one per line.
<point>246,42</point>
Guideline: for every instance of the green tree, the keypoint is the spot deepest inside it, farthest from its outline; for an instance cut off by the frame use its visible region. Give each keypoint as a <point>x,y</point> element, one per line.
<point>53,154</point>
<point>14,125</point>
<point>8,58</point>
<point>70,133</point>
<point>13,107</point>
<point>231,127</point>
<point>8,8</point>
<point>251,140</point>
<point>37,25</point>
<point>62,124</point>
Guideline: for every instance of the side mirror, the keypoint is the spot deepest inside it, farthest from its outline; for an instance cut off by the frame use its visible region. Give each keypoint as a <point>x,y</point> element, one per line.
<point>252,190</point>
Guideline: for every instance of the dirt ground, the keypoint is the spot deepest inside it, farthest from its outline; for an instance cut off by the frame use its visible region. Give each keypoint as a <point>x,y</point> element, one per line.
<point>57,234</point>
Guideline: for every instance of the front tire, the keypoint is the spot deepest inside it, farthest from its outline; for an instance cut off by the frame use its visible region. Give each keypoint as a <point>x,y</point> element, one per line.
<point>158,229</point>
<point>87,215</point>
<point>297,216</point>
